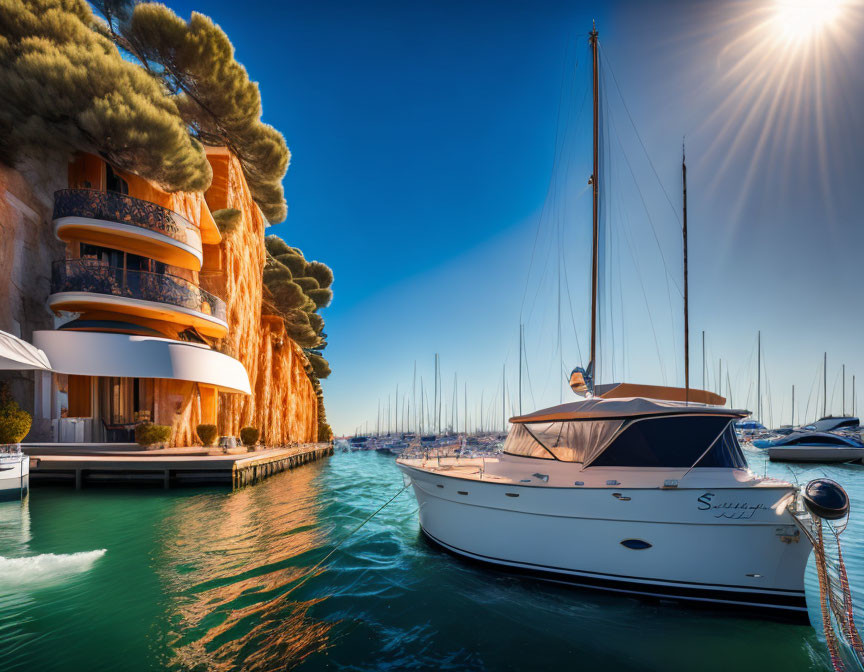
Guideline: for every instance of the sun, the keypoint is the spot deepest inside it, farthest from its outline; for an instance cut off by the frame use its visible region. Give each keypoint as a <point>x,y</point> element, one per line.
<point>798,21</point>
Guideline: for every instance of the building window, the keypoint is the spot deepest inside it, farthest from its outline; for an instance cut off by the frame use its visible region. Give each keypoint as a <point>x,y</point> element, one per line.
<point>114,182</point>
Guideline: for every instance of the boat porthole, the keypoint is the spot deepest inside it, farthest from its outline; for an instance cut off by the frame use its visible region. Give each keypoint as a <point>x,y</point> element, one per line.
<point>461,492</point>
<point>511,494</point>
<point>636,544</point>
<point>438,485</point>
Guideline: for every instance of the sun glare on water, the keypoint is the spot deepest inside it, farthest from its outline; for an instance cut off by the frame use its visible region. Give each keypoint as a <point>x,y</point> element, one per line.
<point>800,20</point>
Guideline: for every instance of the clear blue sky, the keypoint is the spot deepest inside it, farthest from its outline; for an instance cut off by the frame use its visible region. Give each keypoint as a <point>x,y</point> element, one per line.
<point>423,140</point>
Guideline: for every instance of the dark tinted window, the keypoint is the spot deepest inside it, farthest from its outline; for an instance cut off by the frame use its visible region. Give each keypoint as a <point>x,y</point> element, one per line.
<point>671,441</point>
<point>726,452</point>
<point>821,440</point>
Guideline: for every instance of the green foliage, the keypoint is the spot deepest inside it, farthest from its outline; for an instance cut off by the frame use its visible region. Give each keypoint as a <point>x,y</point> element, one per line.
<point>217,100</point>
<point>306,283</point>
<point>316,322</point>
<point>66,87</point>
<point>149,434</point>
<point>325,433</point>
<point>207,434</point>
<point>14,422</point>
<point>321,273</point>
<point>289,296</point>
<point>320,366</point>
<point>295,263</point>
<point>249,436</point>
<point>321,297</point>
<point>227,220</point>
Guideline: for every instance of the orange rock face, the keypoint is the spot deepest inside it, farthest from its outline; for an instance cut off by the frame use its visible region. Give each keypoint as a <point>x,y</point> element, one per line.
<point>283,404</point>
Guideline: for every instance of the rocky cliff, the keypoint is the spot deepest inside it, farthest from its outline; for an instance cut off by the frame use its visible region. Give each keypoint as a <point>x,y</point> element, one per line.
<point>284,405</point>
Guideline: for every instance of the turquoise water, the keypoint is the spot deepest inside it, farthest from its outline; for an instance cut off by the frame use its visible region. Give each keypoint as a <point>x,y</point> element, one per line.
<point>211,580</point>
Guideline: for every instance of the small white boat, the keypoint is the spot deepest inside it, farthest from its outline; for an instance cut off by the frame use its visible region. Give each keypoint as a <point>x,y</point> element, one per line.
<point>813,447</point>
<point>14,472</point>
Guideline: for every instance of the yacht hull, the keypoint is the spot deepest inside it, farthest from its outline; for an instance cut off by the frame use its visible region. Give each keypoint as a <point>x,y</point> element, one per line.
<point>14,477</point>
<point>721,546</point>
<point>815,454</point>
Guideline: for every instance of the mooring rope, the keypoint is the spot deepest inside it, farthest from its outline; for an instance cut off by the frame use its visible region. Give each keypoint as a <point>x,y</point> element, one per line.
<point>318,564</point>
<point>825,598</point>
<point>849,623</point>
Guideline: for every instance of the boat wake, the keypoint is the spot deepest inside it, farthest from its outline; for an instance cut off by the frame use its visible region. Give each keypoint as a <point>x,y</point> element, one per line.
<point>46,567</point>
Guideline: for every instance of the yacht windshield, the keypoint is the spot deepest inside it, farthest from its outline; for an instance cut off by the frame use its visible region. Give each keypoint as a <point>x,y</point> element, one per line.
<point>569,441</point>
<point>677,441</point>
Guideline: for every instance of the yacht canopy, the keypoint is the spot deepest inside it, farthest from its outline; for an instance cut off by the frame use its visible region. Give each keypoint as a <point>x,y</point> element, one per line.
<point>634,432</point>
<point>87,353</point>
<point>597,408</point>
<point>19,355</point>
<point>692,395</point>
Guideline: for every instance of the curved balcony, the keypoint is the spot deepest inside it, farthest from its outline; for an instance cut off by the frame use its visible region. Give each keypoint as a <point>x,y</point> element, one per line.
<point>81,285</point>
<point>126,223</point>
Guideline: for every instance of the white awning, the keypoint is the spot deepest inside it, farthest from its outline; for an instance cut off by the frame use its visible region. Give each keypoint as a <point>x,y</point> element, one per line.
<point>87,353</point>
<point>18,355</point>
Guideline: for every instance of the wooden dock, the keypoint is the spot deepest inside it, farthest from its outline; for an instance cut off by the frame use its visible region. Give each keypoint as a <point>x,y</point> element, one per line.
<point>81,465</point>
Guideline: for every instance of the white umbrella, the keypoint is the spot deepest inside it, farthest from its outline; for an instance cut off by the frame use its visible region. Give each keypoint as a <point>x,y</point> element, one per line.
<point>18,355</point>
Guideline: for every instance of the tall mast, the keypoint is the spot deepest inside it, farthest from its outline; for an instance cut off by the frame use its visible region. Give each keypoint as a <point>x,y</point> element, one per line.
<point>465,399</point>
<point>793,406</point>
<point>435,398</point>
<point>759,376</point>
<point>686,300</point>
<point>844,390</point>
<point>521,330</point>
<point>504,397</point>
<point>825,386</point>
<point>414,397</point>
<point>595,189</point>
<point>396,410</point>
<point>704,365</point>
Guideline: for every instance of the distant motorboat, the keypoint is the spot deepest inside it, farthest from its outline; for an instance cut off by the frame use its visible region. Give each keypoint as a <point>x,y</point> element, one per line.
<point>813,447</point>
<point>832,424</point>
<point>358,442</point>
<point>14,472</point>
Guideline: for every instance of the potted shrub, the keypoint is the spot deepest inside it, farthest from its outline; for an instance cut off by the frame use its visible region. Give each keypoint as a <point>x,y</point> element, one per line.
<point>207,434</point>
<point>150,435</point>
<point>14,422</point>
<point>249,436</point>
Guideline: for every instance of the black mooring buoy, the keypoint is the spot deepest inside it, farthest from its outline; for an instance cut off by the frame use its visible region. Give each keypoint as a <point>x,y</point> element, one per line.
<point>826,498</point>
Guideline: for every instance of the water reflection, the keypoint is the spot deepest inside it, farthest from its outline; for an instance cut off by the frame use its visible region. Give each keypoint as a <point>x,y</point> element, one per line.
<point>228,564</point>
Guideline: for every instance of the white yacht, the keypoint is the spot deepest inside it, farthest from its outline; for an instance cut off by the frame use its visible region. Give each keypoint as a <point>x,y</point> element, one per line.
<point>636,488</point>
<point>628,494</point>
<point>14,472</point>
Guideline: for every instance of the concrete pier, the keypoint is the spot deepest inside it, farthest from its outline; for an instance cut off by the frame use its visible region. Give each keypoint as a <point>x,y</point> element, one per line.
<point>98,463</point>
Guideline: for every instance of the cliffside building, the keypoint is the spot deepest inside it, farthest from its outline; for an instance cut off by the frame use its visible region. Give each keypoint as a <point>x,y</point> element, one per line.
<point>157,317</point>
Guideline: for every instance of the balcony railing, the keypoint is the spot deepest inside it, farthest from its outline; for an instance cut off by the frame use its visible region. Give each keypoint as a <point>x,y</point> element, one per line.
<point>111,206</point>
<point>94,277</point>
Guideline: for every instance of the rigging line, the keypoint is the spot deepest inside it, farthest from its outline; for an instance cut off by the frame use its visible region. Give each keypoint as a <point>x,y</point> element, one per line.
<point>656,239</point>
<point>528,374</point>
<point>644,205</point>
<point>549,204</point>
<point>647,307</point>
<point>315,567</point>
<point>632,123</point>
<point>572,318</point>
<point>555,160</point>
